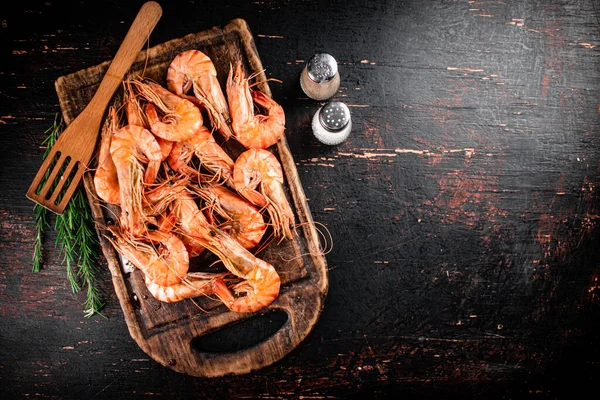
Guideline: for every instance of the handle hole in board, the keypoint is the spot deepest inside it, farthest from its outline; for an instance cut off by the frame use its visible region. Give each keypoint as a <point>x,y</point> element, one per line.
<point>242,334</point>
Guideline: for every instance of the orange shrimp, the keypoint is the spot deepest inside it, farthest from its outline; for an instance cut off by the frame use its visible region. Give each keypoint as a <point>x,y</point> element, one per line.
<point>164,265</point>
<point>258,177</point>
<point>194,284</point>
<point>193,68</point>
<point>243,221</point>
<point>106,180</point>
<point>261,281</point>
<point>132,145</point>
<point>211,156</point>
<point>261,286</point>
<point>182,118</point>
<point>253,131</point>
<point>165,145</point>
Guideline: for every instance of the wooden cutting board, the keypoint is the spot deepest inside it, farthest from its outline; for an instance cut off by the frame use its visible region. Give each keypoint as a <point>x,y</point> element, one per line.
<point>166,331</point>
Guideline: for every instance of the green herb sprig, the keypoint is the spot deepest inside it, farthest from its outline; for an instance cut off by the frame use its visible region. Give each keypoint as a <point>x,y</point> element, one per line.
<point>41,213</point>
<point>75,237</point>
<point>41,224</point>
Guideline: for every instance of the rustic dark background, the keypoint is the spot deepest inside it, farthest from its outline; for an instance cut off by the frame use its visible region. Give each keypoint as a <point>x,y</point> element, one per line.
<point>464,206</point>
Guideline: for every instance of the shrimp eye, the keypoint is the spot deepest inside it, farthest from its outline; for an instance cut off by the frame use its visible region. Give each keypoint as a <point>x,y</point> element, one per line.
<point>212,233</point>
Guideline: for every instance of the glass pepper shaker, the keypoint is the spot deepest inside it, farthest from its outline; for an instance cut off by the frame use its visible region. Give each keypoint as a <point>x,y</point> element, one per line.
<point>332,124</point>
<point>320,78</point>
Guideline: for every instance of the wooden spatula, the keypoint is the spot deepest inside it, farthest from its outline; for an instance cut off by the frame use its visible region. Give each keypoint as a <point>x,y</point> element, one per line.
<point>61,171</point>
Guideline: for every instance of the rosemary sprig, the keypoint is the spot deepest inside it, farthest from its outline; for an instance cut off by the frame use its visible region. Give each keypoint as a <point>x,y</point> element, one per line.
<point>41,223</point>
<point>88,245</point>
<point>41,213</point>
<point>65,240</point>
<point>75,237</point>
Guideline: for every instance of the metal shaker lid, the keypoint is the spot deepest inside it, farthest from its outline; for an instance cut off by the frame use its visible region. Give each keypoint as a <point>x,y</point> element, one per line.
<point>322,67</point>
<point>334,116</point>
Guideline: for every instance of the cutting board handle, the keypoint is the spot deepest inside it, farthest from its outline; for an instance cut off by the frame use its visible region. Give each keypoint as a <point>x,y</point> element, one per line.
<point>255,357</point>
<point>174,348</point>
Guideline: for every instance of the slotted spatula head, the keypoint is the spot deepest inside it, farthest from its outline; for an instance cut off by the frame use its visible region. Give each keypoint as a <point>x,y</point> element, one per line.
<point>61,171</point>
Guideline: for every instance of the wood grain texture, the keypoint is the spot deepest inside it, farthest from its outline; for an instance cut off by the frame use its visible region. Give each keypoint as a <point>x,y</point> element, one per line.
<point>464,206</point>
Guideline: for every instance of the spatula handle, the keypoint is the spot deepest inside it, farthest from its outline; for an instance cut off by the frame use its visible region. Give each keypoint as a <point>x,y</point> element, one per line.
<point>138,33</point>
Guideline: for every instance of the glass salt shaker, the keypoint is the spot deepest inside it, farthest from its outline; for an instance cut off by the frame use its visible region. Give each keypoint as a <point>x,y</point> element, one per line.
<point>320,78</point>
<point>332,124</point>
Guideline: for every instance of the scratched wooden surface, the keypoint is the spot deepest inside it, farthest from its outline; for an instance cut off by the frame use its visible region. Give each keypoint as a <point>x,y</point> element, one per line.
<point>464,206</point>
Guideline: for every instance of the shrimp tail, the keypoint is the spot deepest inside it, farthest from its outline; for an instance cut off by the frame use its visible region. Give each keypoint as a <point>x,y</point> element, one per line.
<point>261,287</point>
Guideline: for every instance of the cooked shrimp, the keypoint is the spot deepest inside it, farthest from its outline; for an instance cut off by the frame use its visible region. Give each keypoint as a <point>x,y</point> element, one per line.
<point>182,118</point>
<point>193,68</point>
<point>257,176</point>
<point>243,221</point>
<point>211,156</point>
<point>132,145</point>
<point>106,180</point>
<point>253,131</point>
<point>165,145</point>
<point>164,264</point>
<point>261,286</point>
<point>194,284</point>
<point>261,281</point>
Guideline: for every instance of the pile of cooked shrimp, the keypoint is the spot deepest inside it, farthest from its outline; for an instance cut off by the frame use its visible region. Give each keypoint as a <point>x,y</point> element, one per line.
<point>181,194</point>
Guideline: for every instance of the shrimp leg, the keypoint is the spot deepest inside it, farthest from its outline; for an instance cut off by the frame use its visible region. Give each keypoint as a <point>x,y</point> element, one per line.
<point>211,156</point>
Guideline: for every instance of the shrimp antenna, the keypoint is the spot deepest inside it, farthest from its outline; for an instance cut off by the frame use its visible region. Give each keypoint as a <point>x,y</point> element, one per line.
<point>265,81</point>
<point>324,235</point>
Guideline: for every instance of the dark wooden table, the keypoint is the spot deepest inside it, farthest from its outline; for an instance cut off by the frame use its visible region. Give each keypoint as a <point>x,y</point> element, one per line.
<point>464,206</point>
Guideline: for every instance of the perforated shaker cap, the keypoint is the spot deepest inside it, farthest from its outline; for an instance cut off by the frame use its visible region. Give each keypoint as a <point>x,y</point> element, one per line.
<point>322,67</point>
<point>334,116</point>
